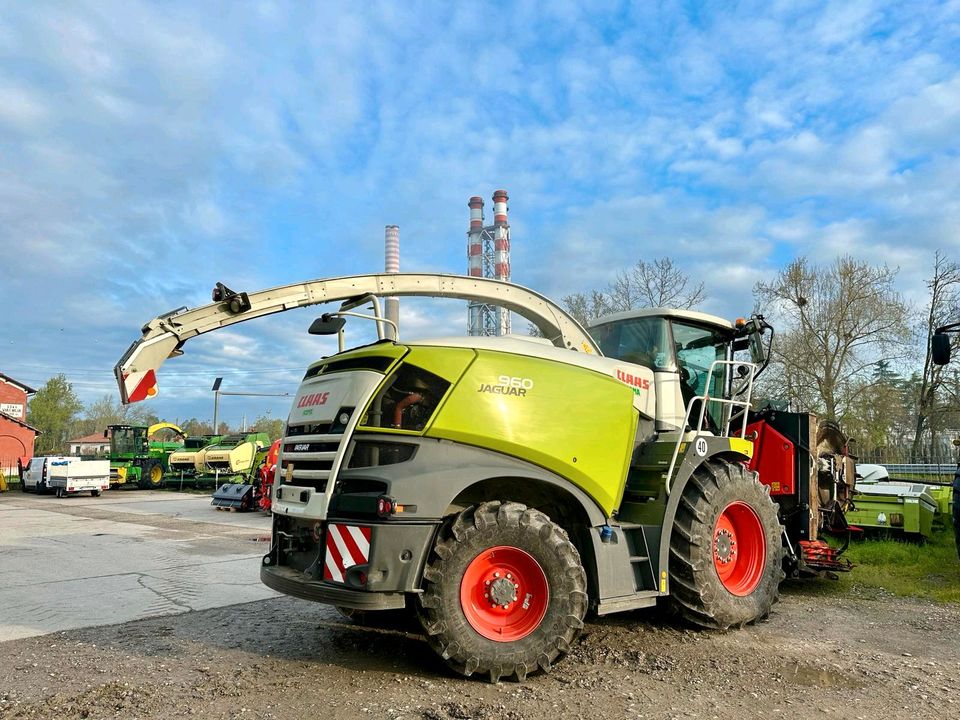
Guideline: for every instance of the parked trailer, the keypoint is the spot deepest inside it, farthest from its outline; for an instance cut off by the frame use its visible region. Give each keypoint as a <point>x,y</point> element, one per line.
<point>70,478</point>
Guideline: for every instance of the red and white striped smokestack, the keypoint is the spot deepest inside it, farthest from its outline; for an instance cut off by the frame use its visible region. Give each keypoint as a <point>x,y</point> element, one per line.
<point>391,246</point>
<point>476,213</point>
<point>474,242</point>
<point>500,207</point>
<point>501,245</point>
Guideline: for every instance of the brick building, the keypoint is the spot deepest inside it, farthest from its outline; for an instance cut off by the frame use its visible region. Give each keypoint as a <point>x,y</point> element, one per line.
<point>16,436</point>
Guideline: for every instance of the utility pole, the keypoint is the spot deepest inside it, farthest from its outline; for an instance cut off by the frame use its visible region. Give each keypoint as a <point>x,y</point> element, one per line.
<point>217,392</point>
<point>216,404</point>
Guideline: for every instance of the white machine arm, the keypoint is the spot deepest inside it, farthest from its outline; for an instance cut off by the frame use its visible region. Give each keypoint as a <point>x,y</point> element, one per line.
<point>164,336</point>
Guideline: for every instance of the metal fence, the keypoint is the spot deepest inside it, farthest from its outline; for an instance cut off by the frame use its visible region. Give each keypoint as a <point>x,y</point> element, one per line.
<point>941,471</point>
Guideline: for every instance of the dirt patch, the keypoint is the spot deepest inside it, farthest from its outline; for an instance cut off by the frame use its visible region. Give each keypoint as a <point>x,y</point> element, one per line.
<point>285,658</point>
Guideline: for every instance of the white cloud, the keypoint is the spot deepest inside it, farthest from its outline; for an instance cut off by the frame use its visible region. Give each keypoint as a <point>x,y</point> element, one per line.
<point>20,108</point>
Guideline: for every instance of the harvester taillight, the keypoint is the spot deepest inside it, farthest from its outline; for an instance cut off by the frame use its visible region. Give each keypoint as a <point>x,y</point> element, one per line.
<point>386,506</point>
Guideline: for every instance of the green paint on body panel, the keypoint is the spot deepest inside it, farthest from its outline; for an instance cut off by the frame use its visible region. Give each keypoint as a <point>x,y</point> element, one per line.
<point>558,416</point>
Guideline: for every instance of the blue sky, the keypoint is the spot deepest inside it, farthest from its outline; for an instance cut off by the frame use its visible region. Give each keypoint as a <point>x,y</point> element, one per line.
<point>149,150</point>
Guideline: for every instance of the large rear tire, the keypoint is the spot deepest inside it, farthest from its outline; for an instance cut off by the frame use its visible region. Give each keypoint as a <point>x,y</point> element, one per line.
<point>726,555</point>
<point>151,475</point>
<point>504,592</point>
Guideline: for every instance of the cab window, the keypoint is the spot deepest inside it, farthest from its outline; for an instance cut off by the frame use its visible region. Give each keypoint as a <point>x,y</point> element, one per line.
<point>642,341</point>
<point>697,349</point>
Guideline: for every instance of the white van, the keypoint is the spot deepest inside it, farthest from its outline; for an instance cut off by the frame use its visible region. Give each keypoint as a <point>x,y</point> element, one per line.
<point>36,474</point>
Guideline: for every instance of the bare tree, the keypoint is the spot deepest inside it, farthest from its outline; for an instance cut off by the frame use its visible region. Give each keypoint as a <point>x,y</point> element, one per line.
<point>585,307</point>
<point>659,283</point>
<point>109,411</point>
<point>834,323</point>
<point>943,307</point>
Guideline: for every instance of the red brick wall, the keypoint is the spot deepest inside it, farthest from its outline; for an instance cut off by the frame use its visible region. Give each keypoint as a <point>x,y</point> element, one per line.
<point>16,441</point>
<point>11,394</point>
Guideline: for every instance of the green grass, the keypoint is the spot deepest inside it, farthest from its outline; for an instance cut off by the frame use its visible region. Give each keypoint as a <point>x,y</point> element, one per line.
<point>895,567</point>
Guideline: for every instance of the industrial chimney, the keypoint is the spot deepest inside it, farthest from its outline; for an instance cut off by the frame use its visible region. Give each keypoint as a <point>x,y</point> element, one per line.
<point>488,255</point>
<point>391,245</point>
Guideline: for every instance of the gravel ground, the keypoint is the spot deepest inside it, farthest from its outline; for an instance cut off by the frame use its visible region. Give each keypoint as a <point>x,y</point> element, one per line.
<point>284,658</point>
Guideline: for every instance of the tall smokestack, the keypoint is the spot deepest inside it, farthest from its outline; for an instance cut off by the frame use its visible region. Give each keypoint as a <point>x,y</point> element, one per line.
<point>474,241</point>
<point>501,236</point>
<point>475,259</point>
<point>391,264</point>
<point>488,256</point>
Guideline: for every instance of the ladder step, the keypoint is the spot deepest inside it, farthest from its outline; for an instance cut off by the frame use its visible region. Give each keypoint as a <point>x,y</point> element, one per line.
<point>630,602</point>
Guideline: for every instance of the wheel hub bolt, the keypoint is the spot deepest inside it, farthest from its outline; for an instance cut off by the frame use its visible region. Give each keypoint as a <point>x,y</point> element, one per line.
<point>724,546</point>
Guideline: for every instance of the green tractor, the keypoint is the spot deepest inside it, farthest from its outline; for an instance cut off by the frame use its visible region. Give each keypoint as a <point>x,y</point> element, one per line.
<point>136,459</point>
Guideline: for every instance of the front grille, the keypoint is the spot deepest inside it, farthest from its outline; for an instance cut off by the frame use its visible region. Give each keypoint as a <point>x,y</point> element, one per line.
<point>311,455</point>
<point>303,447</point>
<point>311,429</point>
<point>309,465</point>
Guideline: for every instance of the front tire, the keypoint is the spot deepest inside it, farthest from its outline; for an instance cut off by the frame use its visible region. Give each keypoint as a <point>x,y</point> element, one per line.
<point>726,556</point>
<point>504,592</point>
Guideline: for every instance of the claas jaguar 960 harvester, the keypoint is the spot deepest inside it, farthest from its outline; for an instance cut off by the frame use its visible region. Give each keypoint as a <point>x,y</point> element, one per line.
<point>504,486</point>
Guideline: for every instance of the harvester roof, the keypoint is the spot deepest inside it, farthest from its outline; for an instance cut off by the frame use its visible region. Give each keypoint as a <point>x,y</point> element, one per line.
<point>693,316</point>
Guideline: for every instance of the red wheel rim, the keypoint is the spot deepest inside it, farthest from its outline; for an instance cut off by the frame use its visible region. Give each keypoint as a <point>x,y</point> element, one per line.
<point>739,548</point>
<point>504,593</point>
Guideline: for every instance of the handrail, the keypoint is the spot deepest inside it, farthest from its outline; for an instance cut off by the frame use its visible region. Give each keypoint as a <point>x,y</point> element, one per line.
<point>727,417</point>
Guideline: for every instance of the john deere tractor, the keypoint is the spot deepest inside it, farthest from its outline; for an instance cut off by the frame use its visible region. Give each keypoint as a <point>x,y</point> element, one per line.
<point>136,458</point>
<point>504,486</point>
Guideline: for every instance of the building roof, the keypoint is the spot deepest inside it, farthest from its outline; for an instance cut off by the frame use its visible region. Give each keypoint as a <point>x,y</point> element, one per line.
<point>26,388</point>
<point>4,416</point>
<point>94,438</point>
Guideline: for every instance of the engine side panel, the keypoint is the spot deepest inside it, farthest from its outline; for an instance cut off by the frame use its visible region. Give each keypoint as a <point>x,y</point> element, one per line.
<point>576,423</point>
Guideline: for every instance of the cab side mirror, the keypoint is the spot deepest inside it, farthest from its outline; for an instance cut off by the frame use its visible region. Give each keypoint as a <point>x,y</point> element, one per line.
<point>327,324</point>
<point>758,353</point>
<point>940,348</point>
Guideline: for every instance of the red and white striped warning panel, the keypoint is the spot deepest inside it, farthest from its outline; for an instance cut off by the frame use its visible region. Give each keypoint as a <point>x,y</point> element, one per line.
<point>347,545</point>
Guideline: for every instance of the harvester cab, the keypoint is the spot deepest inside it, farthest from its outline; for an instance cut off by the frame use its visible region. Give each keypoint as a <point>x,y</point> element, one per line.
<point>501,485</point>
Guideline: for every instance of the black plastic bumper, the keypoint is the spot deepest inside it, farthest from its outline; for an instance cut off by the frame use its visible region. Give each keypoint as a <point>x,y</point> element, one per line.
<point>294,582</point>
